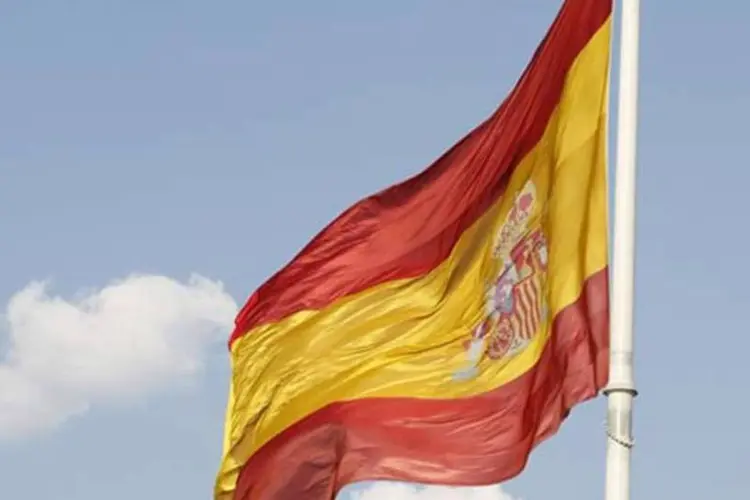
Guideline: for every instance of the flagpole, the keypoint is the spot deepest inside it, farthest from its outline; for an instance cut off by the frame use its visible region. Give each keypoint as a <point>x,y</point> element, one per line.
<point>621,388</point>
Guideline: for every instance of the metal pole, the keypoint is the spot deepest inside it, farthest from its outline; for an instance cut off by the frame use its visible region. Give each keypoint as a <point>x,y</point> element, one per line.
<point>621,389</point>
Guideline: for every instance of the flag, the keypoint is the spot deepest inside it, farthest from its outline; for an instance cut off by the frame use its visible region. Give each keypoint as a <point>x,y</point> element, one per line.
<point>437,331</point>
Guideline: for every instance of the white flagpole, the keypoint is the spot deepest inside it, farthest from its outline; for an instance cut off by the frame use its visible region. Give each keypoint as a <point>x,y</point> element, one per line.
<point>621,389</point>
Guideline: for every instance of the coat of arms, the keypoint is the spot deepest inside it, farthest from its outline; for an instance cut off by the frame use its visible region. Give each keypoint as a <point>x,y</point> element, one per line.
<point>515,306</point>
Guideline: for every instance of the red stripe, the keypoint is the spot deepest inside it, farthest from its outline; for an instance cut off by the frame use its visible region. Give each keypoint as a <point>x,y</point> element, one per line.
<point>519,312</point>
<point>534,316</point>
<point>408,229</point>
<point>527,312</point>
<point>525,305</point>
<point>472,441</point>
<point>536,319</point>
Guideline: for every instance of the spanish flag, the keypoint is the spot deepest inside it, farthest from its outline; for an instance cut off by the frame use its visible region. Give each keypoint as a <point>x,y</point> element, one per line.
<point>437,331</point>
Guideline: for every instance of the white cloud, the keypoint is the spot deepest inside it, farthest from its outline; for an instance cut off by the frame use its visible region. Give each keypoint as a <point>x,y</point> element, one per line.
<point>131,338</point>
<point>401,491</point>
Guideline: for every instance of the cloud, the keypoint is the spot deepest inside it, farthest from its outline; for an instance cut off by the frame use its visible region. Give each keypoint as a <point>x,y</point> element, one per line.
<point>128,339</point>
<point>402,491</point>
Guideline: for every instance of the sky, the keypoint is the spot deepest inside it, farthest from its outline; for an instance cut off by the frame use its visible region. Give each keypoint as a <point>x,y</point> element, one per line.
<point>160,159</point>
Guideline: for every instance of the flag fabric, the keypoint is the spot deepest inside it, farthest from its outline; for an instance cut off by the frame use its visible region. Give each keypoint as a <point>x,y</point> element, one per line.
<point>437,331</point>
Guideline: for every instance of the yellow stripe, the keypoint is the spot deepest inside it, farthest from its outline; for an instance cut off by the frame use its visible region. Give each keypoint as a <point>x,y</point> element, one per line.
<point>406,337</point>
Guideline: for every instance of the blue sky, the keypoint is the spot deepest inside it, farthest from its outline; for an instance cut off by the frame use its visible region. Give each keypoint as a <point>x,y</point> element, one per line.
<point>166,138</point>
